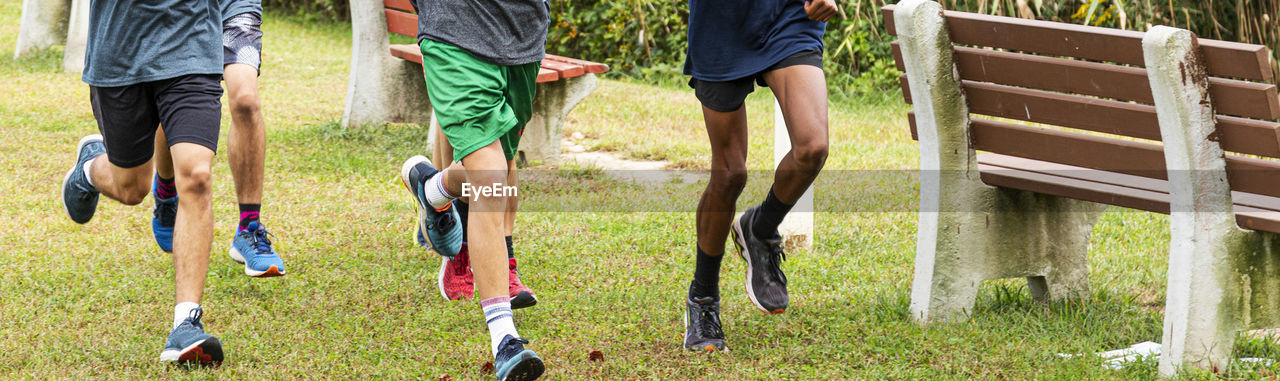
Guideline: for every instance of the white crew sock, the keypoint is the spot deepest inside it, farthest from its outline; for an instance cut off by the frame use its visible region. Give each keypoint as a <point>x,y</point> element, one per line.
<point>497,313</point>
<point>437,195</point>
<point>182,311</point>
<point>87,166</point>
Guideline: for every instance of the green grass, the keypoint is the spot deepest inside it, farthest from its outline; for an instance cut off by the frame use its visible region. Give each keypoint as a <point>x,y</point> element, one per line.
<point>360,301</point>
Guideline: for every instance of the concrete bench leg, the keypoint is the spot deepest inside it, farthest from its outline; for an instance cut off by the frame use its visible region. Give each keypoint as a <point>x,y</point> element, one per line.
<point>1222,279</point>
<point>77,37</point>
<point>44,24</point>
<point>554,101</point>
<point>970,232</point>
<point>381,88</point>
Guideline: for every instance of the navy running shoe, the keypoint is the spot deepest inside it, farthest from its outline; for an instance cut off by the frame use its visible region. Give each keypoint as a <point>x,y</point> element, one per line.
<point>444,232</point>
<point>766,283</point>
<point>162,221</point>
<point>188,344</point>
<point>514,363</point>
<point>252,247</point>
<point>79,198</point>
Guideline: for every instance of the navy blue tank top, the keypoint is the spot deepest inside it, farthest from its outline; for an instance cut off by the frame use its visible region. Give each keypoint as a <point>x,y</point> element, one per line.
<point>732,39</point>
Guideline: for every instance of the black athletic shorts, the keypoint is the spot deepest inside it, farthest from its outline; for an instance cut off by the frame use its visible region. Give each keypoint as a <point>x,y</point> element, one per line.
<point>730,95</point>
<point>189,107</point>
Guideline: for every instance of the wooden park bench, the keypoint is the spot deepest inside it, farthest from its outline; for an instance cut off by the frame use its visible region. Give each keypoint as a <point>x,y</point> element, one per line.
<point>562,82</point>
<point>1068,124</point>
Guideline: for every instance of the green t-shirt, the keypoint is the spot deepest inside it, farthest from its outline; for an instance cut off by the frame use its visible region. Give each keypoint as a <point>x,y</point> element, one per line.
<point>136,41</point>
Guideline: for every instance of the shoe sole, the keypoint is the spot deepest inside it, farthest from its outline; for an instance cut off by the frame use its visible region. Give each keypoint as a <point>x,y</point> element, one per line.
<point>523,299</point>
<point>741,243</point>
<point>272,271</point>
<point>65,178</point>
<point>709,348</point>
<point>417,204</point>
<point>529,368</point>
<point>207,352</point>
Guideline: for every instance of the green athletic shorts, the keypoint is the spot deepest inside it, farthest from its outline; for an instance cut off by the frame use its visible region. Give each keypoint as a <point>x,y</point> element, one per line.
<point>476,102</point>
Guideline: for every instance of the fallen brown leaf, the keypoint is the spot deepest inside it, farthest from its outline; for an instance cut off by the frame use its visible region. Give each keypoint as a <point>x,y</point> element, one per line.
<point>595,355</point>
<point>487,367</point>
<point>444,377</point>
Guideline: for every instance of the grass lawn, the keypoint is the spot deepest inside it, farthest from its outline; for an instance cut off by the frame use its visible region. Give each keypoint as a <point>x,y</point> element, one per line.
<point>360,299</point>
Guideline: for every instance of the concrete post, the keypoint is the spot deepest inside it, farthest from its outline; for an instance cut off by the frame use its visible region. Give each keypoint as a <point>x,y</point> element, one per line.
<point>797,227</point>
<point>1203,289</point>
<point>77,37</point>
<point>44,24</point>
<point>381,88</point>
<point>551,107</point>
<point>970,232</point>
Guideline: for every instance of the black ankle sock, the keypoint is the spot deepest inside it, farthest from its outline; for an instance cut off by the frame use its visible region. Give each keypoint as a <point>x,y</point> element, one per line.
<point>248,213</point>
<point>511,251</point>
<point>768,216</point>
<point>706,276</point>
<point>462,216</point>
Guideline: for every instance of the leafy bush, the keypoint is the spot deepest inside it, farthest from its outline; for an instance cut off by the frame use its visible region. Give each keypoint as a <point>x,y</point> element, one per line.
<point>329,10</point>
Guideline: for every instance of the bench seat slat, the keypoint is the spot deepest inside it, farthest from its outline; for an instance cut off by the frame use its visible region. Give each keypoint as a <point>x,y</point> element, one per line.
<point>1231,97</point>
<point>411,53</point>
<point>402,23</point>
<point>403,5</point>
<point>590,67</point>
<point>1247,136</point>
<point>1252,211</point>
<point>1222,58</point>
<point>564,70</point>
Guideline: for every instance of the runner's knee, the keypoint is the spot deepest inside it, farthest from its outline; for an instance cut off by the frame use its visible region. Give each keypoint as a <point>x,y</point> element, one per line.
<point>811,156</point>
<point>195,181</point>
<point>245,103</point>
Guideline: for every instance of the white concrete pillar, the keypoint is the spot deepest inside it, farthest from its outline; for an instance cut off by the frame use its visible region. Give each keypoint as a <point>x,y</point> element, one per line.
<point>551,107</point>
<point>797,227</point>
<point>1200,312</point>
<point>44,24</point>
<point>77,37</point>
<point>381,88</point>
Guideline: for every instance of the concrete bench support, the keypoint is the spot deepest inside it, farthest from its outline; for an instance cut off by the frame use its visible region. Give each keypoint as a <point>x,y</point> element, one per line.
<point>381,88</point>
<point>970,232</point>
<point>551,107</point>
<point>44,24</point>
<point>1222,279</point>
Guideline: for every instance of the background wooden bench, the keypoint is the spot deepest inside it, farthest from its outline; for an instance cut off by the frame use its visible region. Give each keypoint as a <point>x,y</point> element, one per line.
<point>387,85</point>
<point>1069,123</point>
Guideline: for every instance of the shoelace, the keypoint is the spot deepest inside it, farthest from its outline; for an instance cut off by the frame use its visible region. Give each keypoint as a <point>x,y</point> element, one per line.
<point>195,316</point>
<point>444,222</point>
<point>709,321</point>
<point>461,264</point>
<point>166,212</point>
<point>775,258</point>
<point>260,241</point>
<point>509,350</point>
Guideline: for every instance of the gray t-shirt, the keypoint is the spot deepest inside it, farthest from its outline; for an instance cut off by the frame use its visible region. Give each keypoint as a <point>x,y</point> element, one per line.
<point>501,32</point>
<point>135,41</point>
<point>235,7</point>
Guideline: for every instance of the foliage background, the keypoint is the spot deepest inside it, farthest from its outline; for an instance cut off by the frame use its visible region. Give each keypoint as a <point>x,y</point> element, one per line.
<point>646,38</point>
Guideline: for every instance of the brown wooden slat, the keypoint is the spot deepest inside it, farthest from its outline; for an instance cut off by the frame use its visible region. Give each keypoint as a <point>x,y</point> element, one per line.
<point>407,52</point>
<point>1246,216</point>
<point>1230,97</point>
<point>565,70</point>
<point>1222,58</point>
<point>1113,117</point>
<point>906,88</point>
<point>591,67</point>
<point>403,5</point>
<point>547,75</point>
<point>401,23</point>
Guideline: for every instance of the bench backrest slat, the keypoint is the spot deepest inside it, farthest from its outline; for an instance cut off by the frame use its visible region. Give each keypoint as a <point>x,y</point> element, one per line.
<point>1127,83</point>
<point>402,23</point>
<point>1222,58</point>
<point>1245,174</point>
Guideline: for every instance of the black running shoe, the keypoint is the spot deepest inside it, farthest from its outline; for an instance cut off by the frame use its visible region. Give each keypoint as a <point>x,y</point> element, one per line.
<point>78,197</point>
<point>702,330</point>
<point>515,363</point>
<point>766,284</point>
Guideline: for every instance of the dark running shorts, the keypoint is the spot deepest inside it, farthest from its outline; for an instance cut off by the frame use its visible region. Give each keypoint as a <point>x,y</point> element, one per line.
<point>188,107</point>
<point>242,40</point>
<point>729,96</point>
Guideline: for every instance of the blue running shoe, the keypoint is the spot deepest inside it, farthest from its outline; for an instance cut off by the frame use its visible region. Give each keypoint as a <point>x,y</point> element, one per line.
<point>514,363</point>
<point>78,197</point>
<point>442,227</point>
<point>162,221</point>
<point>252,247</point>
<point>188,344</point>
